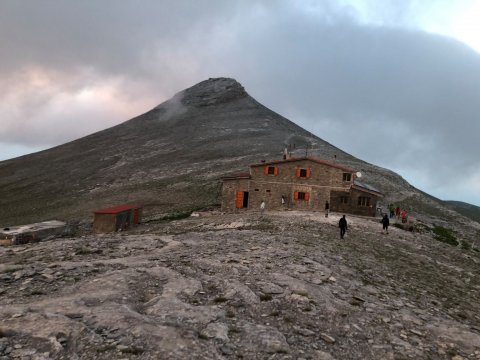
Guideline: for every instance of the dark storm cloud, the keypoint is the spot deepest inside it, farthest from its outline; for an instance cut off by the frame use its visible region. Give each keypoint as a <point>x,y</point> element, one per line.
<point>396,97</point>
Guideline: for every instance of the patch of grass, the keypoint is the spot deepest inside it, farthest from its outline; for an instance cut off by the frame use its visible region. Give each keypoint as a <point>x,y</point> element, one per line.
<point>37,292</point>
<point>105,348</point>
<point>10,270</point>
<point>301,293</point>
<point>202,336</point>
<point>220,299</point>
<point>133,350</point>
<point>265,297</point>
<point>177,215</point>
<point>445,235</point>
<point>84,250</point>
<point>233,330</point>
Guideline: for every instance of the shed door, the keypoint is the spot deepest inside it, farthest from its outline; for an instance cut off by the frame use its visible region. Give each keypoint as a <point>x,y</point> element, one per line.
<point>241,200</point>
<point>135,216</point>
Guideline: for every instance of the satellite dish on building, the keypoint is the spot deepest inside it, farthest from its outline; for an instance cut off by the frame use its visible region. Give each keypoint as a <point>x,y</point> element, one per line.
<point>358,174</point>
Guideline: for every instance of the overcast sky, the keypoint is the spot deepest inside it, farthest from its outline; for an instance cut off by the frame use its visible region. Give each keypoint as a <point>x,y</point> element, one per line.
<point>393,82</point>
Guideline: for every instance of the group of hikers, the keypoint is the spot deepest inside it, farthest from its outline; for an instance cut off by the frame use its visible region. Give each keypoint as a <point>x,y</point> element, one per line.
<point>395,212</point>
<point>343,225</point>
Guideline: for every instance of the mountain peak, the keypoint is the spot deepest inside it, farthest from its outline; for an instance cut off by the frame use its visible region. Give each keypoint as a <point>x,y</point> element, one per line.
<point>212,91</point>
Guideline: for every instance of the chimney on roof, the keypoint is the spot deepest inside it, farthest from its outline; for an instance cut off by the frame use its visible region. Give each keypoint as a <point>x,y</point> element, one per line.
<point>286,155</point>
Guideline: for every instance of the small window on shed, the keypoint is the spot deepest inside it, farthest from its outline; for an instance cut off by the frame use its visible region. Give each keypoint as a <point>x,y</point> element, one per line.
<point>347,177</point>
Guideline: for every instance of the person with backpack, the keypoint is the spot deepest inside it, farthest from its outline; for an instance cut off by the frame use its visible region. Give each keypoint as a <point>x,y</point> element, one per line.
<point>342,224</point>
<point>385,222</point>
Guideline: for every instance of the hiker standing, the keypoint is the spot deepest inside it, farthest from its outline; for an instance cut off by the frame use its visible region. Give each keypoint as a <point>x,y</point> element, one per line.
<point>342,224</point>
<point>403,215</point>
<point>397,212</point>
<point>327,208</point>
<point>385,222</point>
<point>392,210</point>
<point>262,206</point>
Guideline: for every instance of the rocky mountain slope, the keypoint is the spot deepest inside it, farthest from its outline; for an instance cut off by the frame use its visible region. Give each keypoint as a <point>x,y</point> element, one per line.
<point>172,157</point>
<point>276,286</point>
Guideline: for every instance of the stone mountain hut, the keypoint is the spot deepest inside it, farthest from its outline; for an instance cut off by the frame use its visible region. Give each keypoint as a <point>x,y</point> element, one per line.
<point>305,183</point>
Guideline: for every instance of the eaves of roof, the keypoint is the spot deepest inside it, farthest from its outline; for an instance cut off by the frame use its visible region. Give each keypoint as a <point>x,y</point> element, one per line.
<point>309,158</point>
<point>237,176</point>
<point>117,209</point>
<point>366,188</point>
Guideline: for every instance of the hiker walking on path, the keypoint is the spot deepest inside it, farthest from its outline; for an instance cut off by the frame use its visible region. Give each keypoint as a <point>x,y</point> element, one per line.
<point>397,212</point>
<point>385,222</point>
<point>403,215</point>
<point>327,208</point>
<point>262,206</point>
<point>342,224</point>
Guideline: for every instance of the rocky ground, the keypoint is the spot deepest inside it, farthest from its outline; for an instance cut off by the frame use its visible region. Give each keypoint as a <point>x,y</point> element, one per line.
<point>275,286</point>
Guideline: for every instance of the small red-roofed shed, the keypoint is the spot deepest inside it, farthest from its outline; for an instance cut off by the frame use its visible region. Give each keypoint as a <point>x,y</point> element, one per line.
<point>116,218</point>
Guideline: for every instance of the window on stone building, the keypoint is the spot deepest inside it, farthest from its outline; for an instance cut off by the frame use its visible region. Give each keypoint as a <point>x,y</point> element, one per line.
<point>347,177</point>
<point>300,195</point>
<point>343,199</point>
<point>271,170</point>
<point>363,201</point>
<point>303,173</point>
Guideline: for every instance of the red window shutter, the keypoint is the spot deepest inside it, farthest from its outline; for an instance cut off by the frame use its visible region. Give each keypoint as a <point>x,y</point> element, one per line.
<point>309,172</point>
<point>307,196</point>
<point>239,200</point>
<point>295,195</point>
<point>266,170</point>
<point>275,171</point>
<point>298,172</point>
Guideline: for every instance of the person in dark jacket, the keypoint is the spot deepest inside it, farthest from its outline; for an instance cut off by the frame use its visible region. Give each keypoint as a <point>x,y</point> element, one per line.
<point>327,208</point>
<point>385,222</point>
<point>342,224</point>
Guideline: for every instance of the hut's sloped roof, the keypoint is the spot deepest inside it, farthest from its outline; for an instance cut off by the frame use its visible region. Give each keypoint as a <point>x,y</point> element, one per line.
<point>244,175</point>
<point>117,209</point>
<point>365,186</point>
<point>309,158</point>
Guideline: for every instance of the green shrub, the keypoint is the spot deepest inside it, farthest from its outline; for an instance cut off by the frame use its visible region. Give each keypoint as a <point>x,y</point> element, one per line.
<point>445,235</point>
<point>265,297</point>
<point>220,299</point>
<point>177,215</point>
<point>465,245</point>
